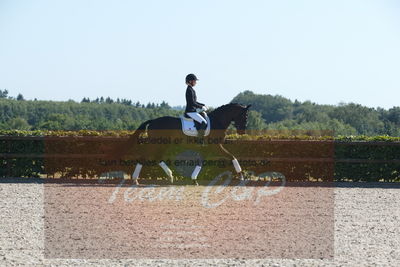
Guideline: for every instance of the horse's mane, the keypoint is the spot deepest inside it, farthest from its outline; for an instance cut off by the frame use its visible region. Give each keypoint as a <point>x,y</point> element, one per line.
<point>218,109</point>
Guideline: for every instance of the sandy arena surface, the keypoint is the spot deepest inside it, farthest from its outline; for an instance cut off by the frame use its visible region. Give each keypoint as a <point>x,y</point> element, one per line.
<point>366,228</point>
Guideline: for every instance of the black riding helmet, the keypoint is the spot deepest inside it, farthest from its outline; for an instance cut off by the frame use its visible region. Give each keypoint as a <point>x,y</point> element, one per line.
<point>191,77</point>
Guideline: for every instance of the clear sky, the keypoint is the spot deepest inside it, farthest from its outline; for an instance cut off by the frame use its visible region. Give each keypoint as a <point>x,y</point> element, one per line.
<point>324,51</point>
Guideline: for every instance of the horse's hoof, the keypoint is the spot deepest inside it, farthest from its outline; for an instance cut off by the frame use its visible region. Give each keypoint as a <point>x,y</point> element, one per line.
<point>135,182</point>
<point>195,183</point>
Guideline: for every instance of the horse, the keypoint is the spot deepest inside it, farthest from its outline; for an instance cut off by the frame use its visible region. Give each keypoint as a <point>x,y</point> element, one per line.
<point>170,128</point>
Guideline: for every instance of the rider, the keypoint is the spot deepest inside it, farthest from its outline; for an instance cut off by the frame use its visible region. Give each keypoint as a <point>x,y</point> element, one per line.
<point>194,109</point>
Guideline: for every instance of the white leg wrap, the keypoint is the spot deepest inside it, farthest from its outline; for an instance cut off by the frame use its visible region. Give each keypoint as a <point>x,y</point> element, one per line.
<point>196,172</point>
<point>236,165</point>
<point>136,173</point>
<point>165,168</point>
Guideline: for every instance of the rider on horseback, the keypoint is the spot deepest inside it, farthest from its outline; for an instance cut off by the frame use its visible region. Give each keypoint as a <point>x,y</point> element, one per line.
<point>194,109</point>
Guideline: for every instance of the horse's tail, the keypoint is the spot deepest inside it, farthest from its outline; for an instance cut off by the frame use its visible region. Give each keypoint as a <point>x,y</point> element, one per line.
<point>134,138</point>
<point>132,141</point>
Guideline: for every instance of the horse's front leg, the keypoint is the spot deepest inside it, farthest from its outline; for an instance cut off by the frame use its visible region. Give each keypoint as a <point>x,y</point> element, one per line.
<point>238,169</point>
<point>167,170</point>
<point>136,173</point>
<point>235,162</point>
<point>195,173</point>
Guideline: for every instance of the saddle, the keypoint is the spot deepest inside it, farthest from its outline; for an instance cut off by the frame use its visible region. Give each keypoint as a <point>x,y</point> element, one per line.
<point>188,127</point>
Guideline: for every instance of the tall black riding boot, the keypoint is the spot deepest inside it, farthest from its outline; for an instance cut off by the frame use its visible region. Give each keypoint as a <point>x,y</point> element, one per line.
<point>201,132</point>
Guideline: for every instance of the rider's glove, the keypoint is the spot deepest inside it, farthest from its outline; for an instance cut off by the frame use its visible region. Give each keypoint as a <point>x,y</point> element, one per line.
<point>204,108</point>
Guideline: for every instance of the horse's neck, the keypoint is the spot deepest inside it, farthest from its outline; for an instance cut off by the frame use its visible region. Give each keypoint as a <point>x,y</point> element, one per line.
<point>220,118</point>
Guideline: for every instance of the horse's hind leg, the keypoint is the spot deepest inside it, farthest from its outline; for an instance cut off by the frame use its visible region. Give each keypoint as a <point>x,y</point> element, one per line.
<point>159,152</point>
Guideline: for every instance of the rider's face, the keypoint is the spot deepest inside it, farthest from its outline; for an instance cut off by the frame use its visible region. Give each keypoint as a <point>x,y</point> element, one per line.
<point>193,83</point>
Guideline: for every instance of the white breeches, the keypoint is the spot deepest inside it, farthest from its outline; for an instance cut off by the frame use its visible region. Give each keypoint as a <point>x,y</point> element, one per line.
<point>197,117</point>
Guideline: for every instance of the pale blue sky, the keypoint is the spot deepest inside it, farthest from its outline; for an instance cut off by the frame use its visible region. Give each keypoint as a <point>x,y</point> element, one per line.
<point>323,51</point>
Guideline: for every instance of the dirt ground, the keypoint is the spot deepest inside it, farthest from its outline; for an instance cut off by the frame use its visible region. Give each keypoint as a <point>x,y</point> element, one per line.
<point>111,225</point>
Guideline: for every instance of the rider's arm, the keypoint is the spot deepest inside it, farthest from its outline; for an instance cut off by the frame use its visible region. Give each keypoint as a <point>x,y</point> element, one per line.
<point>191,99</point>
<point>201,104</point>
<point>198,104</point>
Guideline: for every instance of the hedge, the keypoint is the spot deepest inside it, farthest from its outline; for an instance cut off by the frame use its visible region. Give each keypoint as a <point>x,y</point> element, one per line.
<point>300,158</point>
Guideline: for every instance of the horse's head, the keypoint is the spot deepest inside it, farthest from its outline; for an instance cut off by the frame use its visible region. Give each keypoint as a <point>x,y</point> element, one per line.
<point>232,112</point>
<point>240,115</point>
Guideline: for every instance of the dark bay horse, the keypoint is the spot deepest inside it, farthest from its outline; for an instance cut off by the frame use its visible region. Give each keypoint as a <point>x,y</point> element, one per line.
<point>167,131</point>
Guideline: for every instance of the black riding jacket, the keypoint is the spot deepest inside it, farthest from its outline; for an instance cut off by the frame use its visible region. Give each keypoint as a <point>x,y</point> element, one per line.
<point>191,100</point>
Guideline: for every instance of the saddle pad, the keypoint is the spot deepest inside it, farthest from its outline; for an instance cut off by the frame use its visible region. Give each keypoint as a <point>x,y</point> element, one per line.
<point>189,128</point>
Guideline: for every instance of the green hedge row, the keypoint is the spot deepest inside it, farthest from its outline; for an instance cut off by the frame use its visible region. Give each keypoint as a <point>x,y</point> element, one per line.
<point>299,158</point>
<point>114,133</point>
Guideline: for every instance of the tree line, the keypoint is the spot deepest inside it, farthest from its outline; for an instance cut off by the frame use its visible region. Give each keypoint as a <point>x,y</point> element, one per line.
<point>268,112</point>
<point>277,112</point>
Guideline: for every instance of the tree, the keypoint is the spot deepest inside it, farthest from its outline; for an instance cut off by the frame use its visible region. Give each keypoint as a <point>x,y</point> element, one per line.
<point>128,102</point>
<point>164,105</point>
<point>109,100</point>
<point>365,120</point>
<point>255,121</point>
<point>20,97</point>
<point>272,108</point>
<point>18,123</point>
<point>3,93</point>
<point>394,115</point>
